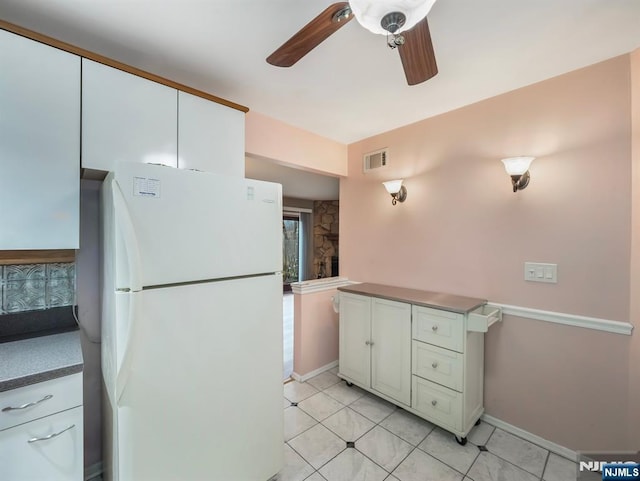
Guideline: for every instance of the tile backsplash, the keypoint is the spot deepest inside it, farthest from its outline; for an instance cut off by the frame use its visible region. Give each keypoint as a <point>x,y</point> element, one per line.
<point>29,287</point>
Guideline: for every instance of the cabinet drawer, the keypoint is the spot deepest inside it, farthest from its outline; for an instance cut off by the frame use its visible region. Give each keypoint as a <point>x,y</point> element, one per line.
<point>57,458</point>
<point>442,405</point>
<point>440,328</point>
<point>438,365</point>
<point>39,400</point>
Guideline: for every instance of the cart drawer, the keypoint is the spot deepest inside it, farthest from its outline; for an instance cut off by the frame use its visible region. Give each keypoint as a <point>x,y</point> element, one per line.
<point>438,365</point>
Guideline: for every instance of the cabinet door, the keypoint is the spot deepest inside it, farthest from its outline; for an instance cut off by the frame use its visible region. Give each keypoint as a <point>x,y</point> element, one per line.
<point>39,145</point>
<point>210,136</point>
<point>125,117</point>
<point>355,337</point>
<point>39,400</point>
<point>54,453</point>
<point>391,349</point>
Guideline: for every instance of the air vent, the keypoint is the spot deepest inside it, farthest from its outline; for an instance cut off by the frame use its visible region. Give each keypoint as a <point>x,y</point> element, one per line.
<point>375,160</point>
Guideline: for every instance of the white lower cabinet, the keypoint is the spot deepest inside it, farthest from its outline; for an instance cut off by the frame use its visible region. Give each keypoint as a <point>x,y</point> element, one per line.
<point>375,345</point>
<point>47,448</point>
<point>428,361</point>
<point>391,349</point>
<point>354,338</point>
<point>41,433</point>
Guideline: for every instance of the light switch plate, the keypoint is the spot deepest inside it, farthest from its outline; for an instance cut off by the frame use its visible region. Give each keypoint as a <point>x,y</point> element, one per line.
<point>541,272</point>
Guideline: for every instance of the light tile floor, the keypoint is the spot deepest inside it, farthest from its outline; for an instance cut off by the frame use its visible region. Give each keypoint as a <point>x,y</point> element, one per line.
<point>340,433</point>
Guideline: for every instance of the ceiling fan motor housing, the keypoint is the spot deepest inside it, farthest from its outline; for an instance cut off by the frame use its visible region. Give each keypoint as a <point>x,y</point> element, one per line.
<point>393,21</point>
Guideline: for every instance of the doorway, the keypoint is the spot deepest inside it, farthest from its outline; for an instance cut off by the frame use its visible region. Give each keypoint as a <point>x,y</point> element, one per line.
<point>296,245</point>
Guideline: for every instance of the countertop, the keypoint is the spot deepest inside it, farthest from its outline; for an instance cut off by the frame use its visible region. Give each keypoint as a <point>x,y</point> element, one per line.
<point>437,300</point>
<point>30,361</point>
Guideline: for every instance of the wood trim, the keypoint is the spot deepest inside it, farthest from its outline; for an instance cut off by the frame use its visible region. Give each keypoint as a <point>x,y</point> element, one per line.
<point>38,37</point>
<point>37,256</point>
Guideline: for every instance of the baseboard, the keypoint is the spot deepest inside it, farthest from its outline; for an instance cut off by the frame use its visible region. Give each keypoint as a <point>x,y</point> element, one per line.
<point>93,471</point>
<point>535,439</point>
<point>309,375</point>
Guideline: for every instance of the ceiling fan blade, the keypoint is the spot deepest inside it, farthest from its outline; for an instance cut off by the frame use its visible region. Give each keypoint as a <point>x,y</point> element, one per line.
<point>417,55</point>
<point>311,35</point>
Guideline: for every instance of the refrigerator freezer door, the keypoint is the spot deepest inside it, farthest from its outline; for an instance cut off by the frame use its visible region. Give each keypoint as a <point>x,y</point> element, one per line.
<point>193,226</point>
<point>203,398</point>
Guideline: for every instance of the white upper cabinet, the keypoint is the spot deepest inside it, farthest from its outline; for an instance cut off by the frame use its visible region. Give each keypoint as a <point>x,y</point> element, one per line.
<point>126,117</point>
<point>210,136</point>
<point>39,145</point>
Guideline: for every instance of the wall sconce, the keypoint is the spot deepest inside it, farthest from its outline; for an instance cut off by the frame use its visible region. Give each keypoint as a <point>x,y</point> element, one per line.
<point>397,190</point>
<point>518,169</point>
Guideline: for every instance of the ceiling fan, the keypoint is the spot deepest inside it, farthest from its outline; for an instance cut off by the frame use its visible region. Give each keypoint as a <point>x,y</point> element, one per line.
<point>403,21</point>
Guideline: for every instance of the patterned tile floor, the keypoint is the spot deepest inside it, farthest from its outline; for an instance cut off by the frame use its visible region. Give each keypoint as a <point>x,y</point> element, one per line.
<point>338,433</point>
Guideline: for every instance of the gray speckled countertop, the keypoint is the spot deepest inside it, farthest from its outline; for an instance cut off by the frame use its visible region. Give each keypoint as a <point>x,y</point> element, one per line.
<point>437,300</point>
<point>39,359</point>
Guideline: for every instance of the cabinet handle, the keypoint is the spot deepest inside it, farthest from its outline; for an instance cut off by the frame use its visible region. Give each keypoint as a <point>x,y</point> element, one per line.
<point>434,328</point>
<point>434,402</point>
<point>28,405</point>
<point>51,436</point>
<point>369,343</point>
<point>434,364</point>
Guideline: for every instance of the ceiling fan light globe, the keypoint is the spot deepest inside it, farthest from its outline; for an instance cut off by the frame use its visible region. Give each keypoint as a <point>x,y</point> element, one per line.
<point>369,13</point>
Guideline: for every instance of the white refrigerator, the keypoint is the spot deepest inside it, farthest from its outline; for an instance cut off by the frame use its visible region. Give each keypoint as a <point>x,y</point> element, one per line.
<point>191,326</point>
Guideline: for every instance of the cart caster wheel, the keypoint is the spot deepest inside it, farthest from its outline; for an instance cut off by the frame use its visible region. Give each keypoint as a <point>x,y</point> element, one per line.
<point>349,383</point>
<point>461,441</point>
<point>478,422</point>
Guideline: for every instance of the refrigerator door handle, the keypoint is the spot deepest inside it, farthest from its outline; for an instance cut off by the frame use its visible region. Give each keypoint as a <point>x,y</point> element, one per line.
<point>135,326</point>
<point>128,233</point>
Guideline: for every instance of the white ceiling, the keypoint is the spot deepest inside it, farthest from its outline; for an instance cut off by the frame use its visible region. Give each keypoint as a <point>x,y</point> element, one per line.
<point>351,86</point>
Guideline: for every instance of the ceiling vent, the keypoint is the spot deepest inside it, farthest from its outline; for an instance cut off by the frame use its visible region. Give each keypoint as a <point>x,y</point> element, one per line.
<point>375,160</point>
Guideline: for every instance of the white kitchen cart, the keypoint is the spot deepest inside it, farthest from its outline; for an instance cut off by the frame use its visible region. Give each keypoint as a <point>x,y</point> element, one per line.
<point>423,351</point>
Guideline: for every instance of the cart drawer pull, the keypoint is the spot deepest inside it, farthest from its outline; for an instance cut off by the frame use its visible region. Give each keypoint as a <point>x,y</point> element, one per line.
<point>51,436</point>
<point>28,405</point>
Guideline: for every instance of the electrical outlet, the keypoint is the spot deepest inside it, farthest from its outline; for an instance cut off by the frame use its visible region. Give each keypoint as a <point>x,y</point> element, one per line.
<point>541,272</point>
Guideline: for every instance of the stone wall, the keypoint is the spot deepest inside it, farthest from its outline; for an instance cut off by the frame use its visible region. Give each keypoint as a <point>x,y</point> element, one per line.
<point>325,236</point>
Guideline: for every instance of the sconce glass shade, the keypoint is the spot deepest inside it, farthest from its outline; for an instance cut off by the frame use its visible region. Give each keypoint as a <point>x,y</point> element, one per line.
<point>369,13</point>
<point>517,165</point>
<point>397,190</point>
<point>393,186</point>
<point>518,169</point>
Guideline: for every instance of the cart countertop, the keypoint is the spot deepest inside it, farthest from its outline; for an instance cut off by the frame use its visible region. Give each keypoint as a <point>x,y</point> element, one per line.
<point>436,300</point>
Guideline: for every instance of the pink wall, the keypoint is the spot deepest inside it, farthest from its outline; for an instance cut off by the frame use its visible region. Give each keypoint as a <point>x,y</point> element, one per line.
<point>315,331</point>
<point>634,358</point>
<point>274,140</point>
<point>463,231</point>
